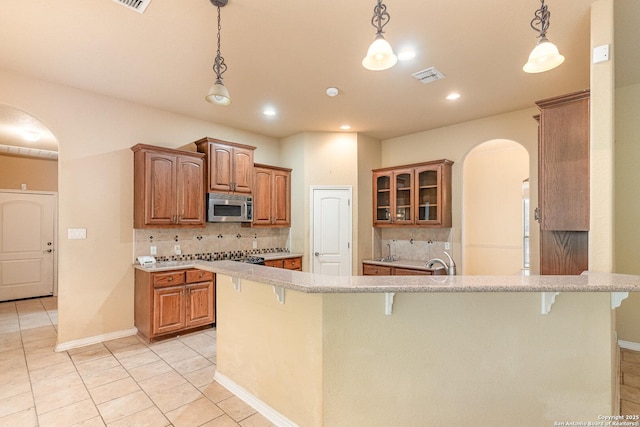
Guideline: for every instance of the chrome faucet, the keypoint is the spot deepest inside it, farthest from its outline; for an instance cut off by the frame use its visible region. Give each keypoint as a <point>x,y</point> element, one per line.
<point>451,268</point>
<point>388,257</point>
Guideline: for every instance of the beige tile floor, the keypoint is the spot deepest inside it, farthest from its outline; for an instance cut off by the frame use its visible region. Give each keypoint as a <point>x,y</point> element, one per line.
<point>124,382</point>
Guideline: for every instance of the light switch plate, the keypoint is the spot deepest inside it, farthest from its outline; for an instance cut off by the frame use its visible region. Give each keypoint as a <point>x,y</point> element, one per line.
<point>601,54</point>
<point>77,233</point>
<point>153,250</point>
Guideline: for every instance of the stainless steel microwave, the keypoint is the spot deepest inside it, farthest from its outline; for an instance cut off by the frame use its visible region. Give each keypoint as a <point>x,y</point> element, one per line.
<point>229,208</point>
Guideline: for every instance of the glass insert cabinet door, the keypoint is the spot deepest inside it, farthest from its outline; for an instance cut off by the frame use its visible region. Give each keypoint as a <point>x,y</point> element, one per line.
<point>383,198</point>
<point>428,189</point>
<point>394,193</point>
<point>403,192</point>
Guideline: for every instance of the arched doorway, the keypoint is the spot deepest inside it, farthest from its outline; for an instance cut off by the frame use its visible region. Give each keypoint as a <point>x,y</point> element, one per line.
<point>28,206</point>
<point>495,209</point>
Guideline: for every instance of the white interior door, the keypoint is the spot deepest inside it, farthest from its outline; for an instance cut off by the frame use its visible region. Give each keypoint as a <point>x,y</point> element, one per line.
<point>26,245</point>
<point>331,235</point>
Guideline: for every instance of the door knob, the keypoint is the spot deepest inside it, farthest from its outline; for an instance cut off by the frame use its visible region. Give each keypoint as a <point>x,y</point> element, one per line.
<point>317,254</point>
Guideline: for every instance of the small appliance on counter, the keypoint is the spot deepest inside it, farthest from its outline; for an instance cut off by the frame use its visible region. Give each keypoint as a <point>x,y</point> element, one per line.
<point>147,261</point>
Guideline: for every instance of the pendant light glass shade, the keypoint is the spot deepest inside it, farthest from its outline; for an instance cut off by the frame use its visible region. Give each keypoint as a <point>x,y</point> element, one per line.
<point>380,56</point>
<point>218,94</point>
<point>544,57</point>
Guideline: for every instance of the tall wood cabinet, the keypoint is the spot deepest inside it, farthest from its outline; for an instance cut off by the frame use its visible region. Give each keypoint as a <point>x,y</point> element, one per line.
<point>229,165</point>
<point>563,183</point>
<point>271,196</point>
<point>173,301</point>
<point>168,188</point>
<point>417,195</point>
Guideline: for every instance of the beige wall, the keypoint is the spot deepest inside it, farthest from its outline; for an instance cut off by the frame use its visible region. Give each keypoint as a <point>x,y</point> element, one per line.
<point>468,359</point>
<point>454,143</point>
<point>282,364</point>
<point>601,138</point>
<point>321,158</point>
<point>493,230</point>
<point>369,157</point>
<point>37,174</point>
<point>95,187</point>
<point>627,235</point>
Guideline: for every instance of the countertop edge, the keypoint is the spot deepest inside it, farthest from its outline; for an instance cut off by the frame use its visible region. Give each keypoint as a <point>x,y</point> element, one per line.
<point>317,283</point>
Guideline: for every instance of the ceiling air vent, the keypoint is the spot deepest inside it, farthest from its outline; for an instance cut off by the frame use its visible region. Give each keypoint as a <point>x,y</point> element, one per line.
<point>428,75</point>
<point>137,5</point>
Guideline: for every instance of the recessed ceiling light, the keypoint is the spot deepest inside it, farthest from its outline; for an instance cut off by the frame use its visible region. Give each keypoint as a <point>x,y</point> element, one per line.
<point>332,91</point>
<point>453,96</point>
<point>406,54</point>
<point>269,112</point>
<point>345,127</point>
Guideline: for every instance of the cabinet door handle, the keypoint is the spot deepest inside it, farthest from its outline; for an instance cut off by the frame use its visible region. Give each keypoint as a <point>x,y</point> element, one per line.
<point>536,214</point>
<point>170,278</point>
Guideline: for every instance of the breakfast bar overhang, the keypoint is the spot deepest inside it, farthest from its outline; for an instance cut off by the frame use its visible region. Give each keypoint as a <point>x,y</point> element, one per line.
<point>312,350</point>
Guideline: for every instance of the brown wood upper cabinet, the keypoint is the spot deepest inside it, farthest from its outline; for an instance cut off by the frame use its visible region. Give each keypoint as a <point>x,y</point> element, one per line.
<point>229,165</point>
<point>168,188</point>
<point>417,195</point>
<point>563,166</point>
<point>271,196</point>
<point>563,183</point>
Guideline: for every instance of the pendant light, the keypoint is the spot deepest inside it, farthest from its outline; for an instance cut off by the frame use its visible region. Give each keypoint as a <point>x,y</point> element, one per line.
<point>380,56</point>
<point>545,56</point>
<point>218,94</point>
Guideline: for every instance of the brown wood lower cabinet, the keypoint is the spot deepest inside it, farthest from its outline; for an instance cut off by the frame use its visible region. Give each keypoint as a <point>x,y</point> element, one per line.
<point>381,270</point>
<point>293,263</point>
<point>170,302</point>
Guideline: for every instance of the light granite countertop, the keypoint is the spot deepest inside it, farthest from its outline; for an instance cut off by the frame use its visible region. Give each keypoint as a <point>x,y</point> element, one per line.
<point>317,283</point>
<point>173,265</point>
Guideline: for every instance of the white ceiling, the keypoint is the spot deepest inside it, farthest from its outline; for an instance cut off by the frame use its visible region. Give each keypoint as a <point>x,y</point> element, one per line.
<point>287,52</point>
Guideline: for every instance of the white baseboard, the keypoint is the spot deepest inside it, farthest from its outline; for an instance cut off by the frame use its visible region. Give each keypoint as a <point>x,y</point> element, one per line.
<point>265,410</point>
<point>629,345</point>
<point>95,340</point>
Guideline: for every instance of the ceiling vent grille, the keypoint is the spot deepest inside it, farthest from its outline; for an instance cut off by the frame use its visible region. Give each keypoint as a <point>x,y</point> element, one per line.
<point>28,152</point>
<point>428,75</point>
<point>137,5</point>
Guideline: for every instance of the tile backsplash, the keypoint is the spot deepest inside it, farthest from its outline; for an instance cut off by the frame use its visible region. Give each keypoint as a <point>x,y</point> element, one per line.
<point>417,244</point>
<point>214,242</point>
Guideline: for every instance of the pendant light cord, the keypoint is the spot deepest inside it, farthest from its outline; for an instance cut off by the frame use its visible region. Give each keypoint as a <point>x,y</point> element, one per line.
<point>219,67</point>
<point>540,21</point>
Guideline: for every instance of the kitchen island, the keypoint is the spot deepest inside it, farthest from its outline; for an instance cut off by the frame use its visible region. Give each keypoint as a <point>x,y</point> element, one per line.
<point>312,350</point>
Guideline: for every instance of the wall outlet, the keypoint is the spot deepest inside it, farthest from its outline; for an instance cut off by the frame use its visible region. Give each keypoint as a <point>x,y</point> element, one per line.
<point>153,250</point>
<point>255,244</point>
<point>177,250</point>
<point>447,246</point>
